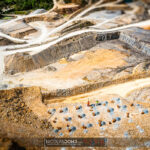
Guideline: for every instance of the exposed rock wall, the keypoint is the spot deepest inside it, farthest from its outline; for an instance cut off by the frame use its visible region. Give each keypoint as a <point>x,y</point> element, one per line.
<point>4,41</point>
<point>19,120</point>
<point>89,87</point>
<point>63,49</point>
<point>25,60</point>
<point>43,17</point>
<point>22,33</point>
<point>15,107</point>
<point>137,38</point>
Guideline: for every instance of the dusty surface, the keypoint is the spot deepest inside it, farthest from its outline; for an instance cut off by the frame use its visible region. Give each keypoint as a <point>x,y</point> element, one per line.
<point>111,127</point>
<point>100,59</point>
<point>97,56</point>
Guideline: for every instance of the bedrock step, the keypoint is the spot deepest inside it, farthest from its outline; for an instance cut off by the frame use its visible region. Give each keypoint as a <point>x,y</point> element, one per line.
<point>137,38</point>
<point>24,62</point>
<point>60,93</point>
<point>4,41</point>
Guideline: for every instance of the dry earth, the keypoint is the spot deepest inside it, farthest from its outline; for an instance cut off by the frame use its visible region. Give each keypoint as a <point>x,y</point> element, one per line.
<point>84,74</point>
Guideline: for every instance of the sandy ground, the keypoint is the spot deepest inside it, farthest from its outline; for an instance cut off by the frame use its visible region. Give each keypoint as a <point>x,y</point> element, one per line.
<point>120,89</point>
<point>70,74</point>
<point>116,117</point>
<point>100,59</point>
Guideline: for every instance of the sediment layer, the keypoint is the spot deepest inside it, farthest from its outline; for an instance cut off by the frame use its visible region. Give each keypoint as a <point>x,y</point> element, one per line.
<point>137,38</point>
<point>4,41</point>
<point>47,96</point>
<point>62,49</point>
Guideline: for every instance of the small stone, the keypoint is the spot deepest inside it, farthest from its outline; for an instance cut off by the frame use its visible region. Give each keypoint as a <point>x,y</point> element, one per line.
<point>50,68</point>
<point>101,123</point>
<point>131,104</point>
<point>84,127</point>
<point>94,114</point>
<point>15,120</point>
<point>11,72</point>
<point>73,128</point>
<point>78,107</point>
<point>118,106</point>
<point>49,112</point>
<point>110,122</point>
<point>128,115</point>
<point>108,110</point>
<point>54,121</point>
<point>118,118</point>
<point>56,130</point>
<point>61,111</point>
<point>22,104</point>
<point>15,100</point>
<point>124,106</point>
<point>89,125</point>
<point>98,104</point>
<point>79,116</point>
<point>69,130</point>
<point>114,120</point>
<point>59,128</point>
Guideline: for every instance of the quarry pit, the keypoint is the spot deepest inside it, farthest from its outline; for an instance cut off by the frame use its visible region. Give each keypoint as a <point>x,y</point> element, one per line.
<point>84,75</point>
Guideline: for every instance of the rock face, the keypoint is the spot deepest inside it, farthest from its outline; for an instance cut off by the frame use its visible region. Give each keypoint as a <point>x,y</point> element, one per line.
<point>142,67</point>
<point>15,109</point>
<point>46,17</point>
<point>4,41</point>
<point>67,8</point>
<point>19,121</point>
<point>137,38</point>
<point>18,29</point>
<point>26,63</point>
<point>38,11</point>
<point>141,94</point>
<point>63,49</point>
<point>23,32</point>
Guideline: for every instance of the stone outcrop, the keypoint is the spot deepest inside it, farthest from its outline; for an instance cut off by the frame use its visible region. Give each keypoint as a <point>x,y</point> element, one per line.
<point>18,29</point>
<point>137,38</point>
<point>142,67</point>
<point>23,32</point>
<point>15,107</point>
<point>26,63</point>
<point>47,96</point>
<point>4,41</point>
<point>43,17</point>
<point>62,49</point>
<point>22,122</point>
<point>67,8</point>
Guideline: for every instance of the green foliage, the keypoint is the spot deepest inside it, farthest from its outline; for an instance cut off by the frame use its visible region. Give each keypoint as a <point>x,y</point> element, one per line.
<point>21,12</point>
<point>21,5</point>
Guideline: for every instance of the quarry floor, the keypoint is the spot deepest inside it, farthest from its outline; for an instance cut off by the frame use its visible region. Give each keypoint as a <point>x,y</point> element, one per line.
<point>119,109</point>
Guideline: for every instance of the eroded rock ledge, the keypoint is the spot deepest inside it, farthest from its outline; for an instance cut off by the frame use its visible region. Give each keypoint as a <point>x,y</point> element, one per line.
<point>136,38</point>
<point>63,49</point>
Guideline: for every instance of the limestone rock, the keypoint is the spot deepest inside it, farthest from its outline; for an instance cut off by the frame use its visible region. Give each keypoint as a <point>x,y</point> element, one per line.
<point>50,68</point>
<point>19,62</point>
<point>137,38</point>
<point>141,68</point>
<point>4,41</point>
<point>38,11</point>
<point>122,74</point>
